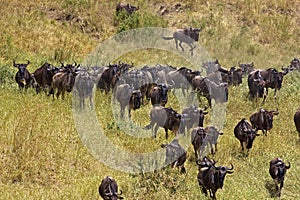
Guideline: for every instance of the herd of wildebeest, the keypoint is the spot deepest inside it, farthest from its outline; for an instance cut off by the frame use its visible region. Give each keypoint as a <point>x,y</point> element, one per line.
<point>135,87</point>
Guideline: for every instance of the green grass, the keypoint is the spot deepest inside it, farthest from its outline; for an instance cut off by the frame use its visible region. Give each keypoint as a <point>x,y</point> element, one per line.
<point>42,154</point>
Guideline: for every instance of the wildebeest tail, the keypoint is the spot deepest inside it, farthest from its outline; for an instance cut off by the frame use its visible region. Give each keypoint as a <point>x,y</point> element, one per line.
<point>167,38</point>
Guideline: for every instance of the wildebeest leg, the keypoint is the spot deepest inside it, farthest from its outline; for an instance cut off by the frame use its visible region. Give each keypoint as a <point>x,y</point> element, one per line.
<point>180,44</point>
<point>57,94</point>
<point>63,94</point>
<point>166,130</point>
<point>155,130</point>
<point>129,113</point>
<point>176,43</point>
<point>122,111</point>
<point>192,48</point>
<point>91,102</point>
<point>242,144</point>
<point>279,191</point>
<point>196,154</point>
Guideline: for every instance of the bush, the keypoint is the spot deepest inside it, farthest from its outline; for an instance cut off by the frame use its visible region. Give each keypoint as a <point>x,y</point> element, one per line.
<point>6,74</point>
<point>125,22</point>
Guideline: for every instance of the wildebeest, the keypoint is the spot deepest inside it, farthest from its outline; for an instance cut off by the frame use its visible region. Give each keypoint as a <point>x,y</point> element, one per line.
<point>175,155</point>
<point>186,35</point>
<point>273,79</point>
<point>256,85</point>
<point>235,76</point>
<point>84,85</point>
<point>295,63</point>
<point>202,137</point>
<point>193,116</point>
<point>210,89</point>
<point>108,189</point>
<point>159,95</point>
<point>211,177</point>
<point>167,118</point>
<point>43,76</point>
<point>263,120</point>
<point>297,120</point>
<point>244,132</point>
<point>128,97</point>
<point>212,66</point>
<point>23,76</point>
<point>246,68</point>
<point>64,80</point>
<point>277,171</point>
<point>109,78</point>
<point>128,8</point>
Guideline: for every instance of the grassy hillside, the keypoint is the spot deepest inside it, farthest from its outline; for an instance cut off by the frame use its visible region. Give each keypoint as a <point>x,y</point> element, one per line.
<point>42,155</point>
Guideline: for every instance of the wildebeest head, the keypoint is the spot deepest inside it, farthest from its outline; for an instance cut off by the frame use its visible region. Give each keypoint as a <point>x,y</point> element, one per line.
<point>268,117</point>
<point>250,134</point>
<point>136,99</point>
<point>220,173</point>
<point>21,70</point>
<point>192,33</point>
<point>163,92</point>
<point>247,68</point>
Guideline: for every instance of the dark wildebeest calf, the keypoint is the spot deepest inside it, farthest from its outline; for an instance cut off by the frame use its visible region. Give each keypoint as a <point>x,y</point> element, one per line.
<point>297,120</point>
<point>277,171</point>
<point>23,77</point>
<point>211,177</point>
<point>263,120</point>
<point>201,137</point>
<point>129,97</point>
<point>108,189</point>
<point>175,155</point>
<point>244,132</point>
<point>186,35</point>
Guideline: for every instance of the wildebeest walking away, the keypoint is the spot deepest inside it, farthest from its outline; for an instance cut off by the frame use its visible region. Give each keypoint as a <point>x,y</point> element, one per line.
<point>186,35</point>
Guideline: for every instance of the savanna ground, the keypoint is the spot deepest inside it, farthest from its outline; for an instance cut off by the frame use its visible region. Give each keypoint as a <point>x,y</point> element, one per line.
<point>42,155</point>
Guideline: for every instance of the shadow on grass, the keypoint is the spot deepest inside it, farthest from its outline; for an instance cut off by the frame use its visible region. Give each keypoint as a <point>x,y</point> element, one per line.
<point>271,188</point>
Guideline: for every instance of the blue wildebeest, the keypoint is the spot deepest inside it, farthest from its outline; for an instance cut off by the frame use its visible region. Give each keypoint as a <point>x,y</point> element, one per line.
<point>245,133</point>
<point>175,155</point>
<point>263,120</point>
<point>167,118</point>
<point>23,76</point>
<point>128,97</point>
<point>277,171</point>
<point>202,137</point>
<point>64,80</point>
<point>43,76</point>
<point>128,8</point>
<point>108,189</point>
<point>186,35</point>
<point>211,177</point>
<point>297,120</point>
<point>84,85</point>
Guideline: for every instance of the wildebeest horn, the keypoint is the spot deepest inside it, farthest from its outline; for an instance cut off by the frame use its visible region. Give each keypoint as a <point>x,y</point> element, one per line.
<point>288,166</point>
<point>62,64</point>
<point>14,63</point>
<point>229,168</point>
<point>28,62</point>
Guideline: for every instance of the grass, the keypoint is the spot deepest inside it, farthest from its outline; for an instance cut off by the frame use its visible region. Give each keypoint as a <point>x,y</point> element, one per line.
<point>43,156</point>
